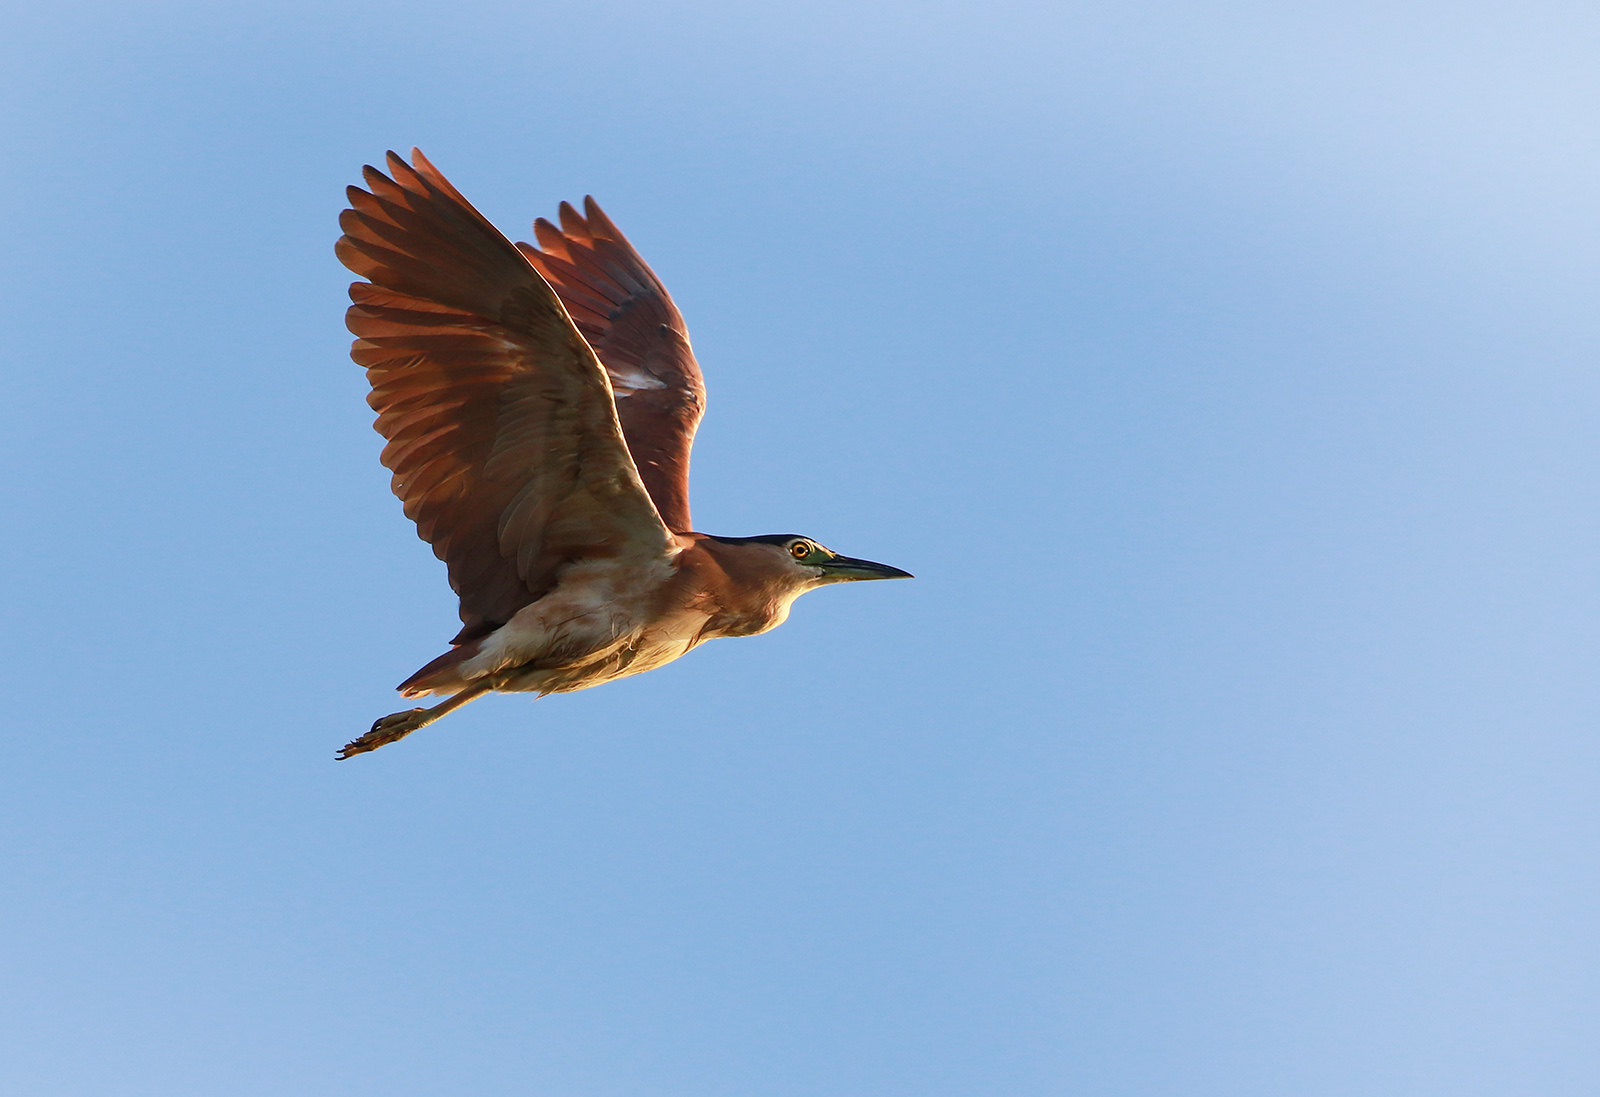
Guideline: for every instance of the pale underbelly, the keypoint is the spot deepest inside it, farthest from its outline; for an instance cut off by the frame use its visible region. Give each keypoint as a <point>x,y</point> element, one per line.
<point>596,670</point>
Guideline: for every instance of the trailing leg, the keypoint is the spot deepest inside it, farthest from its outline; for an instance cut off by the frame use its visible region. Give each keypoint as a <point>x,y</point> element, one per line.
<point>400,724</point>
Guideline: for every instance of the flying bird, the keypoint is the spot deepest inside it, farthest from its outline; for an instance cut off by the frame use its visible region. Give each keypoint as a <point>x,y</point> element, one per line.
<point>539,404</point>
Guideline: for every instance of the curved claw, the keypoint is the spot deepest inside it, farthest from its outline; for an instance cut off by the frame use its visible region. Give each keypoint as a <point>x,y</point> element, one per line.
<point>387,730</point>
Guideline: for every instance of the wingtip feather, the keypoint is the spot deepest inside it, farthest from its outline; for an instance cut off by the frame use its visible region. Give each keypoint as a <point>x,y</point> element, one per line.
<point>598,219</point>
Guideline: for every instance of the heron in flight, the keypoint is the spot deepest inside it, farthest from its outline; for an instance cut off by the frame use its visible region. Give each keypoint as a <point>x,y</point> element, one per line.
<point>539,404</point>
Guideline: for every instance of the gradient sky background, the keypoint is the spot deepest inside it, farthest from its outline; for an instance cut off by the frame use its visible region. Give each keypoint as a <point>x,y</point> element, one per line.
<point>1226,373</point>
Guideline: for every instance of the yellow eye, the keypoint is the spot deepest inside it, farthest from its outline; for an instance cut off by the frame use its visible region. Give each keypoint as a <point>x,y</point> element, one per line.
<point>800,550</point>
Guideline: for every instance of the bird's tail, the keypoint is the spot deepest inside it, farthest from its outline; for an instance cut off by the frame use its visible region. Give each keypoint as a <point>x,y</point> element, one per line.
<point>443,675</point>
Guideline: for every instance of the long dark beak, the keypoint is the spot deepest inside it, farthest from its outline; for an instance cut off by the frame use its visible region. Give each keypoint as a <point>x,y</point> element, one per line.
<point>842,568</point>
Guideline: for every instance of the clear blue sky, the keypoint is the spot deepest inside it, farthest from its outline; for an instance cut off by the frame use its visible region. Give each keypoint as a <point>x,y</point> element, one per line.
<point>1226,374</point>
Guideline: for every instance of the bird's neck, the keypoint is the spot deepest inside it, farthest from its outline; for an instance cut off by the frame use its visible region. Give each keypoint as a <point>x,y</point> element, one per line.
<point>746,591</point>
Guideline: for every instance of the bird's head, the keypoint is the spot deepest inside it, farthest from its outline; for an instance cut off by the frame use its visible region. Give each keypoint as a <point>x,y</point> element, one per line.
<point>803,563</point>
<point>822,565</point>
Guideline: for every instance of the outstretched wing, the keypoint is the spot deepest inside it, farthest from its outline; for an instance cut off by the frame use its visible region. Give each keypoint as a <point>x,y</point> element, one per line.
<point>624,312</point>
<point>502,431</point>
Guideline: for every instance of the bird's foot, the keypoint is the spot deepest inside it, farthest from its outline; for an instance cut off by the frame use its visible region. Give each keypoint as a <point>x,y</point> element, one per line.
<point>391,728</point>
